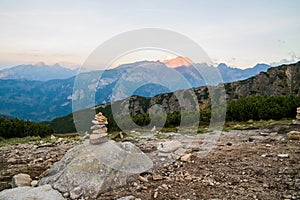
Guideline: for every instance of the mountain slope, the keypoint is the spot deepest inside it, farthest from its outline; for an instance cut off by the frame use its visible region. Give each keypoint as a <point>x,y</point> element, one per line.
<point>282,80</point>
<point>46,100</point>
<point>37,72</point>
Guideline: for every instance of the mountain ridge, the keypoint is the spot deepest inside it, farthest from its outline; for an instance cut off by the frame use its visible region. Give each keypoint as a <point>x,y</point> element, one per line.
<point>277,81</point>
<point>37,72</point>
<point>46,100</point>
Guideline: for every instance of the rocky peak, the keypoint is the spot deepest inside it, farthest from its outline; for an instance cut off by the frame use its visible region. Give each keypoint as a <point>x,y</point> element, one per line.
<point>177,62</point>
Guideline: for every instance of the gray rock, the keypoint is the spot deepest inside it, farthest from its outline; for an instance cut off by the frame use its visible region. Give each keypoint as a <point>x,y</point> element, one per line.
<point>45,192</point>
<point>34,183</point>
<point>98,138</point>
<point>283,155</point>
<point>89,170</point>
<point>293,135</point>
<point>169,146</point>
<point>264,134</point>
<point>20,180</point>
<point>127,198</point>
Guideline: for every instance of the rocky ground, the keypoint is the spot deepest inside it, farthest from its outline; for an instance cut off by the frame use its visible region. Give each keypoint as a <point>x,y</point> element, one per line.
<point>244,164</point>
<point>29,159</point>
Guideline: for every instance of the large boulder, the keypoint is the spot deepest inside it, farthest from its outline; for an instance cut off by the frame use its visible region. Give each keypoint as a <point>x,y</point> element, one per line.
<point>45,192</point>
<point>88,170</point>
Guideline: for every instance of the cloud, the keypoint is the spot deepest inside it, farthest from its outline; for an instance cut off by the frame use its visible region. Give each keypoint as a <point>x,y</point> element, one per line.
<point>293,59</point>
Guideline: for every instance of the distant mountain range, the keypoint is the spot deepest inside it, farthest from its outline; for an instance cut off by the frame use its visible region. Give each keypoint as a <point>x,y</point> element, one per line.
<point>38,72</point>
<point>42,93</point>
<point>277,81</point>
<point>230,74</point>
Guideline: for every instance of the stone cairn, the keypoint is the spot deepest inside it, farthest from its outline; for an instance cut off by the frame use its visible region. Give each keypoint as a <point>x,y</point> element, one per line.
<point>99,131</point>
<point>297,121</point>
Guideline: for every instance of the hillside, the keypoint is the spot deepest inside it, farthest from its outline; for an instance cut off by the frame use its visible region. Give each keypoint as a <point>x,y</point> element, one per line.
<point>26,92</point>
<point>281,80</point>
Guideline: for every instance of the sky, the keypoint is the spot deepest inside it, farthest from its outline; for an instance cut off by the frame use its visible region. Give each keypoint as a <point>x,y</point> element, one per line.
<point>238,33</point>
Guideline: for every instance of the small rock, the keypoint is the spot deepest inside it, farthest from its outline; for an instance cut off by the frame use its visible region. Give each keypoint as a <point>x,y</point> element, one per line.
<point>96,127</point>
<point>169,146</point>
<point>161,154</point>
<point>144,188</point>
<point>76,193</point>
<point>12,160</point>
<point>180,152</point>
<point>143,179</point>
<point>283,155</point>
<point>293,135</point>
<point>264,134</point>
<point>34,183</point>
<point>52,138</point>
<point>175,156</point>
<point>165,186</point>
<point>66,194</point>
<point>100,131</point>
<point>157,177</point>
<point>256,137</point>
<point>127,198</point>
<point>98,138</point>
<point>188,178</point>
<point>135,184</point>
<point>20,180</point>
<point>59,140</point>
<point>95,122</point>
<point>266,155</point>
<point>287,196</point>
<point>155,195</point>
<point>186,157</point>
<point>153,129</point>
<point>273,134</point>
<point>44,192</point>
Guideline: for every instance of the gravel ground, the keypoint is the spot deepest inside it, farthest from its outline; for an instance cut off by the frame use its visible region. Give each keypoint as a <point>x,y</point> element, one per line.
<point>248,164</point>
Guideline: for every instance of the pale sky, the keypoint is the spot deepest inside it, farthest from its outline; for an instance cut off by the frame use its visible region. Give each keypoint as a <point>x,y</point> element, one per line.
<point>239,33</point>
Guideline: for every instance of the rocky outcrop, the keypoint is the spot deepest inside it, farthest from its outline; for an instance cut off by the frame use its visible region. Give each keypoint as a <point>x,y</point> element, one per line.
<point>44,192</point>
<point>88,170</point>
<point>282,80</point>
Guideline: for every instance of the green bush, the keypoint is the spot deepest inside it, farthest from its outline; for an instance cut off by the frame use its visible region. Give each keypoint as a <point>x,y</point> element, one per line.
<point>11,128</point>
<point>262,107</point>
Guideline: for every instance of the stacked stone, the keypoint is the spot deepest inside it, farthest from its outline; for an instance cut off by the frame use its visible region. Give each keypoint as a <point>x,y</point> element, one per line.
<point>99,131</point>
